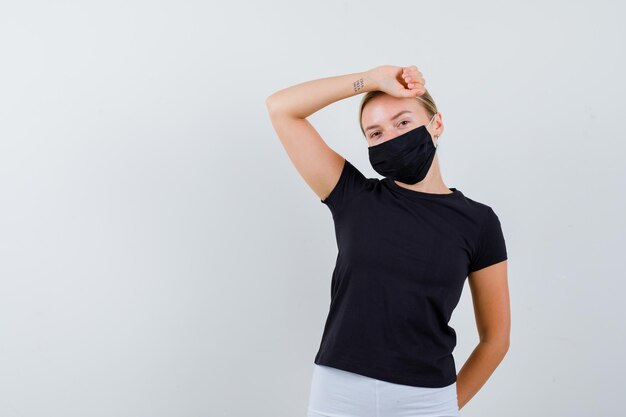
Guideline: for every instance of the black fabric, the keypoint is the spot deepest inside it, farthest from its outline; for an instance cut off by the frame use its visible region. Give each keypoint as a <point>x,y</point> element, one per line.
<point>402,260</point>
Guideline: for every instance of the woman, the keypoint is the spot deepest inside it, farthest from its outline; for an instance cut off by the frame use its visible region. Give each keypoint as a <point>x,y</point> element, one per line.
<point>406,244</point>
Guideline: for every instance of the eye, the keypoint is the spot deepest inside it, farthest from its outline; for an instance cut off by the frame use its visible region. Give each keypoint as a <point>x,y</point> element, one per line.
<point>373,135</point>
<point>404,121</point>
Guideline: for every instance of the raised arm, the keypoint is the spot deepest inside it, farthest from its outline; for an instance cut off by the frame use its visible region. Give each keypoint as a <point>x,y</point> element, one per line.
<point>317,163</point>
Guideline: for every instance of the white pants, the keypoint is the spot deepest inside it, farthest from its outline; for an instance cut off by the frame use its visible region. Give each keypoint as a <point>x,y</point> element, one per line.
<point>339,393</point>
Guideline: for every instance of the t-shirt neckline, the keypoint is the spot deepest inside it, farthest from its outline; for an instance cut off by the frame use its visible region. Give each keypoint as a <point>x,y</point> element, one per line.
<point>420,194</point>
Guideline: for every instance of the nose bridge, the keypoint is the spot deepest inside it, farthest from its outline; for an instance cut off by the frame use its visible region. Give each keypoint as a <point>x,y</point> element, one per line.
<point>390,126</point>
<point>392,133</point>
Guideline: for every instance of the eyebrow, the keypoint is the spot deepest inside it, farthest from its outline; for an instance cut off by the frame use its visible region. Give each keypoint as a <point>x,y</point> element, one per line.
<point>399,114</point>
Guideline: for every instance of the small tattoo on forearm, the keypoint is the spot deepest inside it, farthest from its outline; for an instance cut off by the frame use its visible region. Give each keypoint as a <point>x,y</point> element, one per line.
<point>358,84</point>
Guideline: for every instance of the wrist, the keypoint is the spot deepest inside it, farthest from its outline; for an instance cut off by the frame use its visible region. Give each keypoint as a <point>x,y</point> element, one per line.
<point>370,83</point>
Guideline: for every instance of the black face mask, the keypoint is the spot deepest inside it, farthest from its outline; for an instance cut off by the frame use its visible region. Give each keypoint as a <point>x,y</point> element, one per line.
<point>406,158</point>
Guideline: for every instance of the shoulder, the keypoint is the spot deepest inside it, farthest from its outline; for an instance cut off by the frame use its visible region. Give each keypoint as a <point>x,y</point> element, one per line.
<point>480,208</point>
<point>351,184</point>
<point>490,244</point>
<point>481,214</point>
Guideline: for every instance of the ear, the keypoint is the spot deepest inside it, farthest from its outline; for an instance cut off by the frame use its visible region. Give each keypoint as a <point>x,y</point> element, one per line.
<point>438,126</point>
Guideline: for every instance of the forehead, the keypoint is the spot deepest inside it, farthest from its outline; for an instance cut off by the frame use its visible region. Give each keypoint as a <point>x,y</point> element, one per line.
<point>383,108</point>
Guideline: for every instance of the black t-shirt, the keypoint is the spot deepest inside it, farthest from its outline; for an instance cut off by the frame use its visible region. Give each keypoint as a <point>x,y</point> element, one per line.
<point>402,260</point>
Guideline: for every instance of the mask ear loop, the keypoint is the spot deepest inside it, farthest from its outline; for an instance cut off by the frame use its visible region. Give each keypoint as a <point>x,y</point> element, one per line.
<point>436,136</point>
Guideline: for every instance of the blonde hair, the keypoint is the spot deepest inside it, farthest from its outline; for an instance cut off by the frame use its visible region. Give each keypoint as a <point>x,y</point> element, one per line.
<point>425,100</point>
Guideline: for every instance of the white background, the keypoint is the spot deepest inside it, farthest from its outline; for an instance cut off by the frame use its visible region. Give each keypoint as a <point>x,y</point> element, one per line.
<point>160,255</point>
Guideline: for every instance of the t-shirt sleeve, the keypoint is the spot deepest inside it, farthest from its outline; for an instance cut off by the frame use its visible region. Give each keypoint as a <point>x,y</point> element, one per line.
<point>491,246</point>
<point>350,183</point>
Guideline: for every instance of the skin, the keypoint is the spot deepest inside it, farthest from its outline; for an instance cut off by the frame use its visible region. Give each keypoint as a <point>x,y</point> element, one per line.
<point>320,167</point>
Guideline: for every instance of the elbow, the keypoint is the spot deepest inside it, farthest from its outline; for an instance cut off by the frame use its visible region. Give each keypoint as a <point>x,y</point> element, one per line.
<point>498,344</point>
<point>281,106</point>
<point>277,105</point>
<point>271,104</point>
<point>505,346</point>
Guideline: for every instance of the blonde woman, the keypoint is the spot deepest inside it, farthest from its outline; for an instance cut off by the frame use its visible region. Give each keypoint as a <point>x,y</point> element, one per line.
<point>406,243</point>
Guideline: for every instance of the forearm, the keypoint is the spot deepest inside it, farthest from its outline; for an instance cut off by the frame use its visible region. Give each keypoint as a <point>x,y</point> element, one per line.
<point>477,369</point>
<point>304,99</point>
